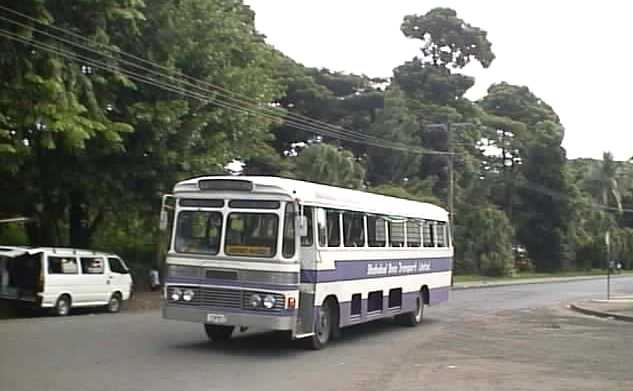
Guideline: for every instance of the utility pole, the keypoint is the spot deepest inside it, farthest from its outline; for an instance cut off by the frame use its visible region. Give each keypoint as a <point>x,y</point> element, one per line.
<point>451,181</point>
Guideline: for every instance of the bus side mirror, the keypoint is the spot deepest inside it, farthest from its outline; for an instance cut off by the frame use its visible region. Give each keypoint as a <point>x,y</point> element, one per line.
<point>163,220</point>
<point>164,215</point>
<point>303,226</point>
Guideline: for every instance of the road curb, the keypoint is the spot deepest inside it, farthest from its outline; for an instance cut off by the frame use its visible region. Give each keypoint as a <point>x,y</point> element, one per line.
<point>600,314</point>
<point>529,282</point>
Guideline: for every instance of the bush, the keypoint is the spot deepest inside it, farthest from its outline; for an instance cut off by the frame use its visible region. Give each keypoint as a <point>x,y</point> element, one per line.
<point>484,242</point>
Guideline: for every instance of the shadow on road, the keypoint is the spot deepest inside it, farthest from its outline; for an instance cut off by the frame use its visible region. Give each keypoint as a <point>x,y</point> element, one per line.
<point>278,344</point>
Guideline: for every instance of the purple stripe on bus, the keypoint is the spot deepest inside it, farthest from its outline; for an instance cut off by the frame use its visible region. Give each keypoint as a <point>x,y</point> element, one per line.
<point>436,296</point>
<point>377,268</point>
<point>231,283</point>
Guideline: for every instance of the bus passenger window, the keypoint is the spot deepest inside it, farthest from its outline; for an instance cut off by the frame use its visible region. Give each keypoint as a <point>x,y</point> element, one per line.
<point>396,234</point>
<point>353,229</point>
<point>440,230</point>
<point>307,240</point>
<point>288,245</point>
<point>321,227</point>
<point>376,235</point>
<point>413,233</point>
<point>428,234</point>
<point>333,229</point>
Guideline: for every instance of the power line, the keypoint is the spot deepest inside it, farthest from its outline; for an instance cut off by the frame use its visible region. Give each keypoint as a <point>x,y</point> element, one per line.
<point>147,80</point>
<point>297,118</point>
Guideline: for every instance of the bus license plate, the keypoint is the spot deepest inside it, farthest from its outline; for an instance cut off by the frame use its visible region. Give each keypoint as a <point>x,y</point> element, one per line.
<point>216,318</point>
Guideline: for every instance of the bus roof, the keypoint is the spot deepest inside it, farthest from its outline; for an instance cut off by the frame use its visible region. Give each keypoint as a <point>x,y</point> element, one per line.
<point>309,193</point>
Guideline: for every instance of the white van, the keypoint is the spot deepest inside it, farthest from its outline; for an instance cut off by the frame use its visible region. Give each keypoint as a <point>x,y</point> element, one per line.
<point>63,278</point>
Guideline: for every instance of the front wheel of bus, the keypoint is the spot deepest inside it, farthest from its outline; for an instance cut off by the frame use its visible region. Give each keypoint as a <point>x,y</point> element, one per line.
<point>218,333</point>
<point>412,319</point>
<point>322,328</point>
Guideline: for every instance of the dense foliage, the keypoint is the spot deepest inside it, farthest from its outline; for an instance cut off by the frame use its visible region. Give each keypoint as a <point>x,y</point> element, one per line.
<point>85,151</point>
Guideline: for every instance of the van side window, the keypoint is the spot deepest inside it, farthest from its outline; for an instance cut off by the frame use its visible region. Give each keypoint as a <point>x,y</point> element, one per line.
<point>376,235</point>
<point>62,265</point>
<point>116,266</point>
<point>92,265</point>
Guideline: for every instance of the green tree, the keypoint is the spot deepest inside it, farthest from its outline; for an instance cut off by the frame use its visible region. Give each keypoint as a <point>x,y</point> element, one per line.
<point>484,242</point>
<point>327,164</point>
<point>397,124</point>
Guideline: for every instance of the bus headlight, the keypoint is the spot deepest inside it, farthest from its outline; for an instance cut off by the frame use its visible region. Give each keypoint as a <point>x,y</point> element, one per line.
<point>176,294</point>
<point>269,301</point>
<point>188,294</point>
<point>255,300</point>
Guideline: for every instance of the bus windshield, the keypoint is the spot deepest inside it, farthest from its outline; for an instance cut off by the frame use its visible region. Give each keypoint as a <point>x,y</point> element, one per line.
<point>198,232</point>
<point>252,234</point>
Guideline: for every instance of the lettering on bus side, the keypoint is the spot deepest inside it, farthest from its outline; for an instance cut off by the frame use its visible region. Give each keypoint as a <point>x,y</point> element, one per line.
<point>390,268</point>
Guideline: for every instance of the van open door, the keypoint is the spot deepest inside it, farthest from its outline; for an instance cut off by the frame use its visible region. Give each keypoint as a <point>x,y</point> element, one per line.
<point>21,275</point>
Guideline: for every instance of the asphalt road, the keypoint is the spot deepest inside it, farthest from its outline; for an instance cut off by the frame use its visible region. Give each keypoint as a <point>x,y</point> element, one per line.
<point>518,337</point>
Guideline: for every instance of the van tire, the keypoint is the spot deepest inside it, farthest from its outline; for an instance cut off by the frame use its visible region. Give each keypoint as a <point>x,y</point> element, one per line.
<point>114,305</point>
<point>63,305</point>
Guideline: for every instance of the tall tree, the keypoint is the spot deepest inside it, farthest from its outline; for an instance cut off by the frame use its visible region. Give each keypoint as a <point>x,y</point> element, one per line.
<point>327,164</point>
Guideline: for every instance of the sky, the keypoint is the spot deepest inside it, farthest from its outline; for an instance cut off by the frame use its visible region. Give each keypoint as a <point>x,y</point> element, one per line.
<point>572,54</point>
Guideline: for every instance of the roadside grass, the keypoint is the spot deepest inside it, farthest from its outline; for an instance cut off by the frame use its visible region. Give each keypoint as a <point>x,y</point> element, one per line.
<point>530,275</point>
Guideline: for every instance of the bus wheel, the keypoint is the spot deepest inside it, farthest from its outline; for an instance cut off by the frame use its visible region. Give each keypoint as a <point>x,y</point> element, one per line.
<point>323,328</point>
<point>62,307</point>
<point>412,319</point>
<point>218,333</point>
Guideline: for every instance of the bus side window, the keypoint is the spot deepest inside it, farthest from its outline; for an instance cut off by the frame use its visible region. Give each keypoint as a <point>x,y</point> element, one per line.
<point>376,235</point>
<point>353,229</point>
<point>396,233</point>
<point>440,230</point>
<point>321,227</point>
<point>333,228</point>
<point>413,233</point>
<point>428,239</point>
<point>288,245</point>
<point>307,240</point>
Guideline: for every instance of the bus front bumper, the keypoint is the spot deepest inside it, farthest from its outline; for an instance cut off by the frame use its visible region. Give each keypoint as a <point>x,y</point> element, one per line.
<point>225,318</point>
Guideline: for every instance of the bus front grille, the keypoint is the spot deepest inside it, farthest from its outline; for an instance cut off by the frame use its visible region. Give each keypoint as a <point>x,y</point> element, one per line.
<point>218,297</point>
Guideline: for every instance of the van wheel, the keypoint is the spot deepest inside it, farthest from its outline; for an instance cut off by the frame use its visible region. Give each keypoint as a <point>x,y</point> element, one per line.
<point>218,333</point>
<point>62,307</point>
<point>114,305</point>
<point>412,319</point>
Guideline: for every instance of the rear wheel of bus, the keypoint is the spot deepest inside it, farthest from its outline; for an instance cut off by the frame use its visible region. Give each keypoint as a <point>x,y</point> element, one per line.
<point>218,333</point>
<point>412,319</point>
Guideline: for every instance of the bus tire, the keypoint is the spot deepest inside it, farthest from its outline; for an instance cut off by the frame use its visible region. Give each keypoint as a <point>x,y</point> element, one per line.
<point>414,318</point>
<point>62,306</point>
<point>218,333</point>
<point>323,328</point>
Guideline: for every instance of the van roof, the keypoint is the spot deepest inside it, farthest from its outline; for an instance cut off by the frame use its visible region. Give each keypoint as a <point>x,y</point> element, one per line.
<point>15,251</point>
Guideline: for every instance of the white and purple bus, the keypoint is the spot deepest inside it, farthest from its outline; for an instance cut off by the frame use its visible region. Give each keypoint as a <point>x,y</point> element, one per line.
<point>281,254</point>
